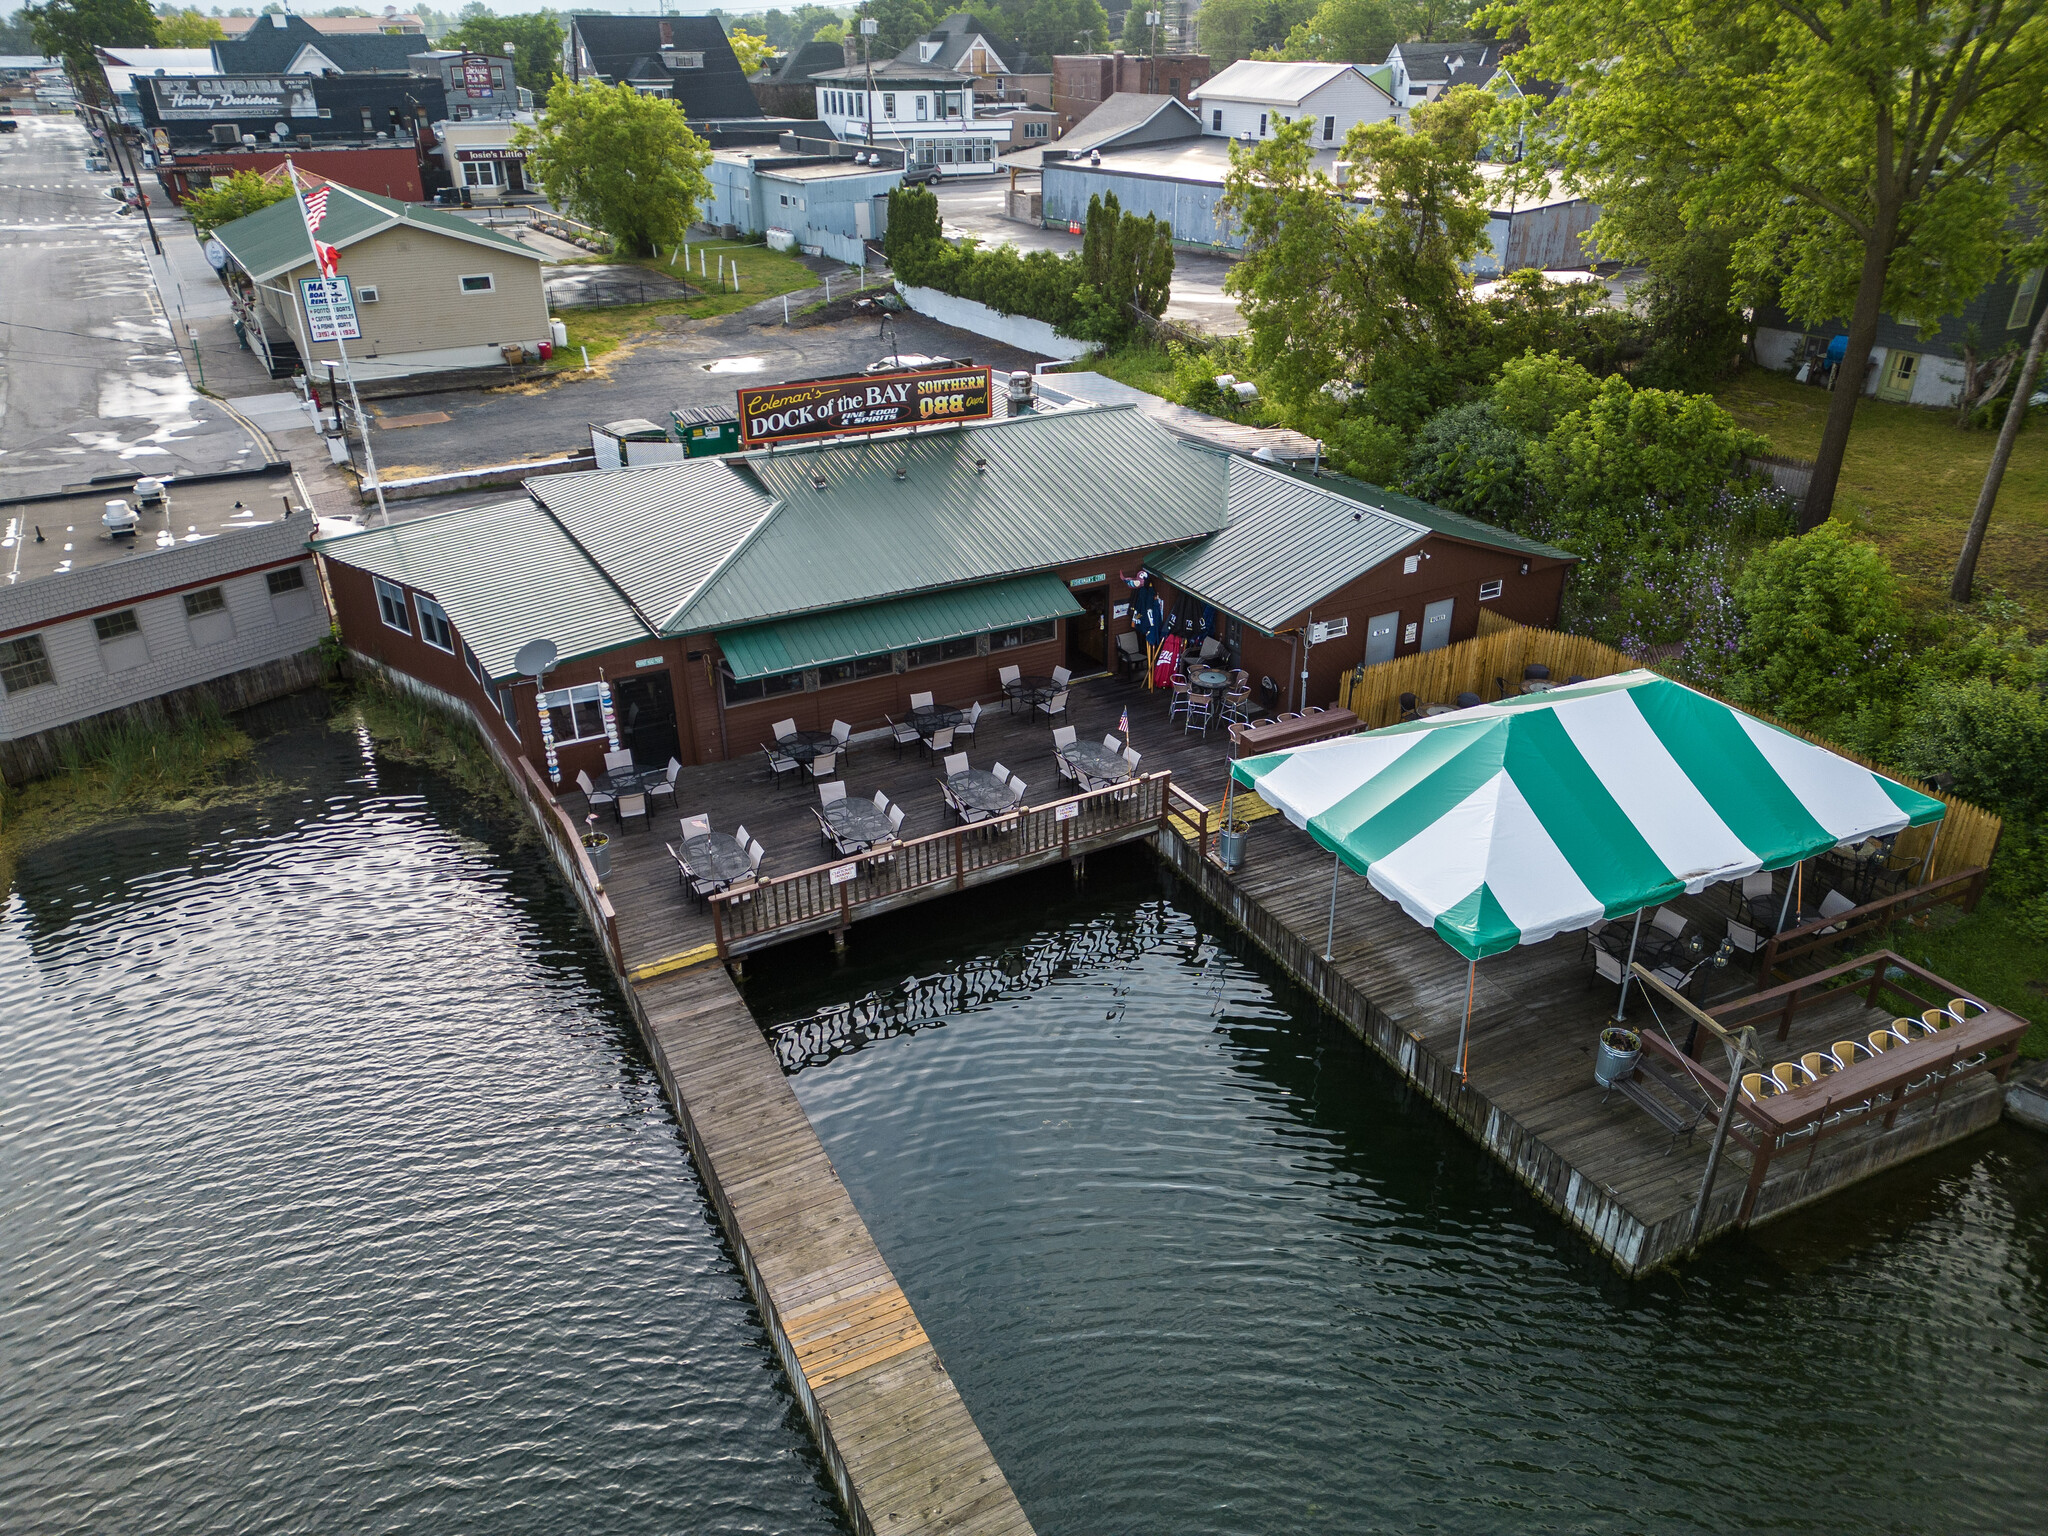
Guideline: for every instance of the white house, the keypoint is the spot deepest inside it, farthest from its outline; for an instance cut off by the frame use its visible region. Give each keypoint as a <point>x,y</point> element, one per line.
<point>1422,72</point>
<point>927,114</point>
<point>1252,98</point>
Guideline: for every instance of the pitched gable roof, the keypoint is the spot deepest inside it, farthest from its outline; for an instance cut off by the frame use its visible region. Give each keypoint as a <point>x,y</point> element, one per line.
<point>1281,83</point>
<point>1452,63</point>
<point>629,48</point>
<point>272,50</point>
<point>1127,117</point>
<point>273,240</point>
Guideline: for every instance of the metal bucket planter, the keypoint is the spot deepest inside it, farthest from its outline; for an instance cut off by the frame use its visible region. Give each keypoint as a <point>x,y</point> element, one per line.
<point>1230,844</point>
<point>1620,1050</point>
<point>598,845</point>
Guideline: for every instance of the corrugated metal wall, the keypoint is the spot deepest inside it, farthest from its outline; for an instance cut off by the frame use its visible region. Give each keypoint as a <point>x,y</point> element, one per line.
<point>1189,207</point>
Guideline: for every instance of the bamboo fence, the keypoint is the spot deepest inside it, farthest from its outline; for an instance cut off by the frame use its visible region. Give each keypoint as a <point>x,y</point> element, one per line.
<point>1491,663</point>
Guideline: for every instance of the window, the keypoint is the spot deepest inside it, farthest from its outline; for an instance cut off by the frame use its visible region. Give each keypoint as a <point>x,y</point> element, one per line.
<point>510,710</point>
<point>945,650</point>
<point>1173,84</point>
<point>737,692</point>
<point>291,579</point>
<point>1488,590</point>
<point>1418,90</point>
<point>115,626</point>
<point>923,108</point>
<point>853,671</point>
<point>434,625</point>
<point>24,664</point>
<point>391,606</point>
<point>1216,121</point>
<point>206,600</point>
<point>478,282</point>
<point>2023,301</point>
<point>476,668</point>
<point>1027,634</point>
<point>574,714</point>
<point>1329,129</point>
<point>888,103</point>
<point>1411,565</point>
<point>1262,125</point>
<point>1035,130</point>
<point>480,173</point>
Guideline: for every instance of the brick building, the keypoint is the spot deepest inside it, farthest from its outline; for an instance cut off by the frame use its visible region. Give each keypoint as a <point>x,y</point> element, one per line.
<point>1081,82</point>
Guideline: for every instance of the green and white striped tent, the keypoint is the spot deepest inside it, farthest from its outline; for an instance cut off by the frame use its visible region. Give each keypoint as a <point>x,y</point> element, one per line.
<point>1506,823</point>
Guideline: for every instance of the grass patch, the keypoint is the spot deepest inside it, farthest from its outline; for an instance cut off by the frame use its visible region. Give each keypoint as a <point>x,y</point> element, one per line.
<point>408,729</point>
<point>1910,481</point>
<point>1137,364</point>
<point>604,329</point>
<point>129,768</point>
<point>1992,953</point>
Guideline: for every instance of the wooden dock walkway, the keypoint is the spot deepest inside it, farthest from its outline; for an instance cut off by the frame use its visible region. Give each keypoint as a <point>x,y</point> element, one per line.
<point>901,1446</point>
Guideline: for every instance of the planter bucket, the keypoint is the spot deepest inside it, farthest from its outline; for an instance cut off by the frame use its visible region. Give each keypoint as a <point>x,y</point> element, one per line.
<point>1230,844</point>
<point>1620,1050</point>
<point>600,853</point>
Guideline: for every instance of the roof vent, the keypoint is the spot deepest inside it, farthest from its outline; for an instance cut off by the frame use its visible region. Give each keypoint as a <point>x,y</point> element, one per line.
<point>902,473</point>
<point>819,482</point>
<point>1095,157</point>
<point>981,466</point>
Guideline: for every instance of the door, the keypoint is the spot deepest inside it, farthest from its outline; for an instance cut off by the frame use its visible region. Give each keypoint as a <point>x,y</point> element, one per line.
<point>515,175</point>
<point>646,711</point>
<point>1088,630</point>
<point>1381,631</point>
<point>1899,371</point>
<point>1436,624</point>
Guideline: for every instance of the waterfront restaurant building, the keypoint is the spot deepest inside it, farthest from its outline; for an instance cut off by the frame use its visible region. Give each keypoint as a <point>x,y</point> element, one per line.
<point>693,604</point>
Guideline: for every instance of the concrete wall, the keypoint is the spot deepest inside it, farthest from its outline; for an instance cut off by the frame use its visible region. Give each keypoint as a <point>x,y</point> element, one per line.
<point>1012,330</point>
<point>172,651</point>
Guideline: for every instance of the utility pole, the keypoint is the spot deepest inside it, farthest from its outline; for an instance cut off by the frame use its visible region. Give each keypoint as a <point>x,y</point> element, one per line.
<point>868,28</point>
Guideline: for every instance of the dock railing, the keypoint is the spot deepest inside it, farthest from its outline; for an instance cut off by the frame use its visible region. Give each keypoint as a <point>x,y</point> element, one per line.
<point>830,895</point>
<point>1963,888</point>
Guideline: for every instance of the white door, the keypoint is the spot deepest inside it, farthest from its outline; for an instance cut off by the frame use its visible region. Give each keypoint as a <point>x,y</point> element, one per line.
<point>860,220</point>
<point>1436,624</point>
<point>1380,633</point>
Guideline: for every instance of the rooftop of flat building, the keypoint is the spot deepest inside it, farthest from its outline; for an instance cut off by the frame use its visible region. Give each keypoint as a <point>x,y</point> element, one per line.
<point>51,536</point>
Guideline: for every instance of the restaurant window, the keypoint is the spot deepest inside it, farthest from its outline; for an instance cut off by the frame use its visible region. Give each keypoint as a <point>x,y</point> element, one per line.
<point>206,600</point>
<point>476,668</point>
<point>509,708</point>
<point>24,664</point>
<point>574,714</point>
<point>853,671</point>
<point>291,579</point>
<point>945,650</point>
<point>1024,634</point>
<point>116,626</point>
<point>480,173</point>
<point>737,692</point>
<point>391,606</point>
<point>1489,589</point>
<point>434,625</point>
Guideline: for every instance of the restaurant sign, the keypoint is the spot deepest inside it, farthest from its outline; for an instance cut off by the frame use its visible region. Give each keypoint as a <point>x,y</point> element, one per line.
<point>476,74</point>
<point>787,413</point>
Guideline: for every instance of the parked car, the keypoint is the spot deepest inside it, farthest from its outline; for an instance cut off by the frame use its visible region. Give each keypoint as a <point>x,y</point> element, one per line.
<point>928,174</point>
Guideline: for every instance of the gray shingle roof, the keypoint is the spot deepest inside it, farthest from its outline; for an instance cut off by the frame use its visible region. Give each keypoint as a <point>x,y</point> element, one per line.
<point>266,49</point>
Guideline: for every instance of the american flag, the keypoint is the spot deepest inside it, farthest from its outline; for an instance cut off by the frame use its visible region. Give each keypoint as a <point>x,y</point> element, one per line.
<point>316,207</point>
<point>1123,723</point>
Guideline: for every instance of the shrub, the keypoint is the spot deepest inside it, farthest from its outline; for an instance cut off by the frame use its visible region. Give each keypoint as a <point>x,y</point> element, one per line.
<point>1468,458</point>
<point>1536,391</point>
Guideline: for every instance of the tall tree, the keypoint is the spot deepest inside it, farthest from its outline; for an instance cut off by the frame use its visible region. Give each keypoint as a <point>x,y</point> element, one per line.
<point>535,40</point>
<point>187,29</point>
<point>897,25</point>
<point>1854,144</point>
<point>1334,277</point>
<point>1228,30</point>
<point>752,49</point>
<point>71,29</point>
<point>1346,31</point>
<point>2028,258</point>
<point>625,162</point>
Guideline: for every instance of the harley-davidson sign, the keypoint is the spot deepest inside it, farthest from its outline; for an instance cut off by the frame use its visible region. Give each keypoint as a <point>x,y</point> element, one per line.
<point>784,413</point>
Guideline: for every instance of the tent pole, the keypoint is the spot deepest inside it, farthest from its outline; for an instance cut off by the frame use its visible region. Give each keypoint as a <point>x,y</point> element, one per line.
<point>1927,859</point>
<point>1785,909</point>
<point>1330,938</point>
<point>1628,970</point>
<point>1471,979</point>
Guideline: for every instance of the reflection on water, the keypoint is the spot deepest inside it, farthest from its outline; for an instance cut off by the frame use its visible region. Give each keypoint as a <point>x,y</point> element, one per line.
<point>338,1195</point>
<point>1199,1263</point>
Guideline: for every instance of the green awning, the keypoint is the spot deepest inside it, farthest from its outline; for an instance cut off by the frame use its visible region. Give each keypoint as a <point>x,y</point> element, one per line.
<point>820,639</point>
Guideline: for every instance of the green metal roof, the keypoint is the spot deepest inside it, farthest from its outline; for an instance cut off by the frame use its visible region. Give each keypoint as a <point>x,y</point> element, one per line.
<point>1436,519</point>
<point>818,640</point>
<point>1056,488</point>
<point>273,240</point>
<point>660,531</point>
<point>506,574</point>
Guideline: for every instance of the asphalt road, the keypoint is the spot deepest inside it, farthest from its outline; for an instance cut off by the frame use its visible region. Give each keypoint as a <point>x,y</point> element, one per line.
<point>701,364</point>
<point>91,382</point>
<point>975,207</point>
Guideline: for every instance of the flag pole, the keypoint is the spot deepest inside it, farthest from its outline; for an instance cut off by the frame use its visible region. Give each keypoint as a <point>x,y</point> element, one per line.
<point>369,453</point>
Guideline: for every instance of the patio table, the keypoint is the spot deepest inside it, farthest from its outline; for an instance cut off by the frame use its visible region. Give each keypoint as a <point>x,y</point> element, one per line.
<point>1209,679</point>
<point>1431,711</point>
<point>1537,685</point>
<point>806,745</point>
<point>1030,690</point>
<point>715,856</point>
<point>936,718</point>
<point>631,781</point>
<point>981,791</point>
<point>859,821</point>
<point>1095,761</point>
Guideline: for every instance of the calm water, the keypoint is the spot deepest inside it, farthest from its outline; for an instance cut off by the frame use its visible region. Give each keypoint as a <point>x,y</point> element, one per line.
<point>336,1195</point>
<point>1198,1264</point>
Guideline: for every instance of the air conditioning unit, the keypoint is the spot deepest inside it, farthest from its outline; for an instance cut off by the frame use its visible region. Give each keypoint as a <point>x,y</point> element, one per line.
<point>225,133</point>
<point>367,294</point>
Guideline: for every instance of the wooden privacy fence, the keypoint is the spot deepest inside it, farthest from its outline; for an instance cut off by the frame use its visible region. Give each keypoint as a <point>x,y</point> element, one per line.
<point>1964,839</point>
<point>829,896</point>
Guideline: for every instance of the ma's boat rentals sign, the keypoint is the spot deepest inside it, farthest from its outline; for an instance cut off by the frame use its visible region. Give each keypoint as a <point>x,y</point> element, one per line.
<point>785,413</point>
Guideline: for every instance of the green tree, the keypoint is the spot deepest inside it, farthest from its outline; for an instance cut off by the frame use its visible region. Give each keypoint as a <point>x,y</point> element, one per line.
<point>1236,29</point>
<point>830,32</point>
<point>897,22</point>
<point>1128,262</point>
<point>535,40</point>
<point>71,29</point>
<point>914,226</point>
<point>186,29</point>
<point>1537,391</point>
<point>1139,36</point>
<point>1823,635</point>
<point>1346,31</point>
<point>237,197</point>
<point>751,49</point>
<point>625,162</point>
<point>1048,27</point>
<point>1856,145</point>
<point>1334,277</point>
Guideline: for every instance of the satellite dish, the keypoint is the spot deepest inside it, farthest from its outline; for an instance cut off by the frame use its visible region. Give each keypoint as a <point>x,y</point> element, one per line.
<point>216,255</point>
<point>535,657</point>
<point>282,130</point>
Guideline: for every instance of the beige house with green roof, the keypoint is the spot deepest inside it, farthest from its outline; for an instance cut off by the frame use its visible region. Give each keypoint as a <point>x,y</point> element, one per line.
<point>433,291</point>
